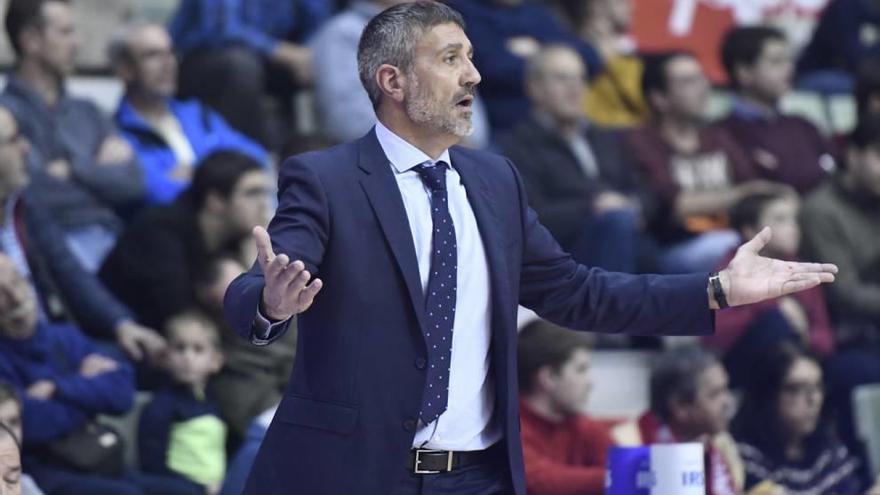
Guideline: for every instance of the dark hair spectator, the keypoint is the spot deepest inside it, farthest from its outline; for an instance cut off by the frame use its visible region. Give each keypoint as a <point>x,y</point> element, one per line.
<point>564,450</point>
<point>759,64</point>
<point>782,428</point>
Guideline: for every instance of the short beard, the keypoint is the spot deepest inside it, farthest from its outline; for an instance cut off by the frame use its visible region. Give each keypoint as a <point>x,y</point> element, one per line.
<point>421,109</point>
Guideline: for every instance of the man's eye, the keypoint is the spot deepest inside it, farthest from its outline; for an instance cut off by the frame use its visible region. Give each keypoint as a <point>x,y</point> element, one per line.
<point>450,59</point>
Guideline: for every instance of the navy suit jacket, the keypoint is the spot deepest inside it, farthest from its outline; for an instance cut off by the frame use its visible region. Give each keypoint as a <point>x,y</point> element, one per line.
<point>348,418</point>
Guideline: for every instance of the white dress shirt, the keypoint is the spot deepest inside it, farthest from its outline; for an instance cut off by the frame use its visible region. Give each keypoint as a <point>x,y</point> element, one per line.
<point>467,423</point>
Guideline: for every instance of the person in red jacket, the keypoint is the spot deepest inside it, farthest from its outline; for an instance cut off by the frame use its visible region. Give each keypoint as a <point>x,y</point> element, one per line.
<point>801,317</point>
<point>564,451</point>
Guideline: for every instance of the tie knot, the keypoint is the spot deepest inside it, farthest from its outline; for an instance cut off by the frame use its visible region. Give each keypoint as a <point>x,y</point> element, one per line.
<point>434,176</point>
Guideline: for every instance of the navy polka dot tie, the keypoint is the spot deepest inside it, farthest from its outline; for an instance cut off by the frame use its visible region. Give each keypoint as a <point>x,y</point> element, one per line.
<point>440,296</point>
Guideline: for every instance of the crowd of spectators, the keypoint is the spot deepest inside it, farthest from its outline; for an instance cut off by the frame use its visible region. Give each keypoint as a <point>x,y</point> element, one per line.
<point>120,233</point>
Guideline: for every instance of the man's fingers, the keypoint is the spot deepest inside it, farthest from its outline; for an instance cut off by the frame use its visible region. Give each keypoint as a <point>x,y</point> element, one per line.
<point>799,285</point>
<point>275,269</point>
<point>759,241</point>
<point>265,255</point>
<point>812,268</point>
<point>308,294</point>
<point>293,270</point>
<point>298,283</point>
<point>133,349</point>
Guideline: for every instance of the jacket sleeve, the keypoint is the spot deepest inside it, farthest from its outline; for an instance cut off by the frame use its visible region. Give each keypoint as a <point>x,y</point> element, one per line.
<point>92,305</point>
<point>120,184</point>
<point>300,229</point>
<point>572,295</point>
<point>154,431</point>
<point>107,393</point>
<point>42,420</point>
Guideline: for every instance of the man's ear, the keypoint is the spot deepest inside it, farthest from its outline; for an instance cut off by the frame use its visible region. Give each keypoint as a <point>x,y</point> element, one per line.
<point>392,82</point>
<point>679,410</point>
<point>29,40</point>
<point>743,75</point>
<point>545,378</point>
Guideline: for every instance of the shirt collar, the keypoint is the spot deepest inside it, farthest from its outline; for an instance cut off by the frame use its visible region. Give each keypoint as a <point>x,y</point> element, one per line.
<point>403,155</point>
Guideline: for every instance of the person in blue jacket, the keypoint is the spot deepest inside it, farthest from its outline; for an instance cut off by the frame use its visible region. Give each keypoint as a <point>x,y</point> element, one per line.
<point>169,136</point>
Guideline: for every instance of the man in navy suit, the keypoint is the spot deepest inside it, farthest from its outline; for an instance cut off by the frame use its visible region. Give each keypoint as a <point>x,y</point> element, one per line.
<point>405,377</point>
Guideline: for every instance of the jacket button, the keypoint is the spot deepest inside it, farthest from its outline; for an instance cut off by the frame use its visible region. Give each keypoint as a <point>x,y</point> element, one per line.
<point>409,425</point>
<point>421,363</point>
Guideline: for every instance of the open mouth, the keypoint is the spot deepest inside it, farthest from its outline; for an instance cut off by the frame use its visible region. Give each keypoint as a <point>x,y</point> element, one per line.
<point>465,102</point>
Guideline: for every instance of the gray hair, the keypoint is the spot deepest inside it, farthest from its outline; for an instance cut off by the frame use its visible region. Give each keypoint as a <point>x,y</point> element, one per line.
<point>391,38</point>
<point>536,65</point>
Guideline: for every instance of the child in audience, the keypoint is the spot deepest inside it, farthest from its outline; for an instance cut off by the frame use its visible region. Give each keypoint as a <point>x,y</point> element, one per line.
<point>802,317</point>
<point>10,419</point>
<point>181,434</point>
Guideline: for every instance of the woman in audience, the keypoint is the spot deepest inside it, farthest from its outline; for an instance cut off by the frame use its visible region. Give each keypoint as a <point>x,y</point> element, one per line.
<point>782,432</point>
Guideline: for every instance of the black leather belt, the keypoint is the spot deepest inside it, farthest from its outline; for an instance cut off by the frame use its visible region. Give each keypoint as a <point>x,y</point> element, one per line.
<point>428,461</point>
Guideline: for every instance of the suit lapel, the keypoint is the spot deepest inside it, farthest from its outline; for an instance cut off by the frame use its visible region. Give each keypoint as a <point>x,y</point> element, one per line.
<point>384,196</point>
<point>488,220</point>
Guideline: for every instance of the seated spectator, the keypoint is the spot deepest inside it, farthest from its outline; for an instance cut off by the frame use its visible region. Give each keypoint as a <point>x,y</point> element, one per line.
<point>846,35</point>
<point>691,402</point>
<point>505,34</point>
<point>841,225</point>
<point>344,108</point>
<point>563,450</point>
<point>169,136</point>
<point>155,267</point>
<point>867,90</point>
<point>64,383</point>
<point>32,240</point>
<point>576,175</point>
<point>614,97</point>
<point>760,67</point>
<point>84,174</point>
<point>781,431</point>
<point>695,172</point>
<point>10,419</point>
<point>802,317</point>
<point>10,462</point>
<point>253,378</point>
<point>180,433</point>
<point>237,52</point>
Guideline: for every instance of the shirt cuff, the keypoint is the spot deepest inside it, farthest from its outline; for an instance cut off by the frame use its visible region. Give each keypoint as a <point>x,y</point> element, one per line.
<point>263,331</point>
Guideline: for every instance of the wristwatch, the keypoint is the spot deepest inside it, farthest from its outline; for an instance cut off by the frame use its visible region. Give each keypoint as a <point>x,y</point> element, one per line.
<point>718,290</point>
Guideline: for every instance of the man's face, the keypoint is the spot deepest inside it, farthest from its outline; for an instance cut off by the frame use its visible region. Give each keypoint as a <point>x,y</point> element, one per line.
<point>13,148</point>
<point>248,205</point>
<point>710,412</point>
<point>687,92</point>
<point>10,465</point>
<point>617,12</point>
<point>57,42</point>
<point>770,77</point>
<point>153,64</point>
<point>440,87</point>
<point>18,306</point>
<point>10,415</point>
<point>864,167</point>
<point>569,387</point>
<point>558,90</point>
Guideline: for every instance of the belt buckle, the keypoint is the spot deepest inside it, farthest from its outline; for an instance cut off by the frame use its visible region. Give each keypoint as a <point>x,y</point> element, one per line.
<point>419,452</point>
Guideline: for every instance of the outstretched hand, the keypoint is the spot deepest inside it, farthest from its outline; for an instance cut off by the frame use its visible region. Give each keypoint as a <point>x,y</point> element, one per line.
<point>286,293</point>
<point>750,277</point>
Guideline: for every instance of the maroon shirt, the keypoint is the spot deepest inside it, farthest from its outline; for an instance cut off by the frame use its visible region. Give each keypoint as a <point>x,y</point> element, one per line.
<point>716,165</point>
<point>781,148</point>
